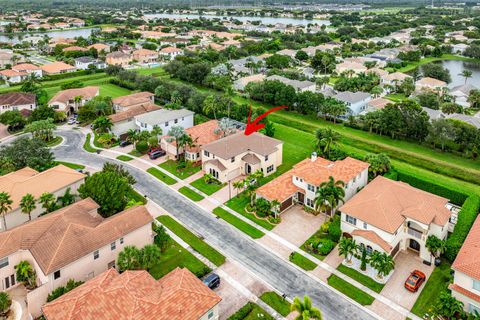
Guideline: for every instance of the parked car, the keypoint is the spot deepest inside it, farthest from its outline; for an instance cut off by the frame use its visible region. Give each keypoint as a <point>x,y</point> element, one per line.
<point>156,154</point>
<point>154,150</point>
<point>124,143</point>
<point>71,121</point>
<point>415,280</point>
<point>212,280</point>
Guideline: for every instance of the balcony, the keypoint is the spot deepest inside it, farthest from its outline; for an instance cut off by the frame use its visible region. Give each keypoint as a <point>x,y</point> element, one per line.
<point>417,234</point>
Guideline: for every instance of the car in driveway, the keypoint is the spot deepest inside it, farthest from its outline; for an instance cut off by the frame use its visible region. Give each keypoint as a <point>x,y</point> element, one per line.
<point>156,154</point>
<point>124,143</point>
<point>415,280</point>
<point>71,121</point>
<point>212,280</point>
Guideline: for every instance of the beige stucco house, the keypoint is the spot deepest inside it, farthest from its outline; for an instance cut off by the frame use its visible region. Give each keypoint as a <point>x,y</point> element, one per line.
<point>118,58</point>
<point>239,154</point>
<point>70,100</point>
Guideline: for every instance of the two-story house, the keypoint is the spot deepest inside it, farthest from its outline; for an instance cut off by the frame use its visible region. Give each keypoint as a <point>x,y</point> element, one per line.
<point>240,154</point>
<point>74,242</point>
<point>389,216</point>
<point>356,101</point>
<point>300,184</point>
<point>70,100</point>
<point>164,119</point>
<point>118,58</point>
<point>17,101</point>
<point>123,103</point>
<point>145,56</point>
<point>17,184</point>
<point>123,121</point>
<point>466,281</point>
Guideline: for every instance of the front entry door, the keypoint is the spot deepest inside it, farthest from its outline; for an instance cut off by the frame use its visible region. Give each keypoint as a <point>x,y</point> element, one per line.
<point>248,168</point>
<point>414,245</point>
<point>301,198</point>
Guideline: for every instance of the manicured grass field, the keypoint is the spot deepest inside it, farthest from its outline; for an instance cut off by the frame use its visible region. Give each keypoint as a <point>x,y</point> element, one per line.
<point>363,279</point>
<point>302,262</point>
<point>238,223</point>
<point>437,283</point>
<point>275,301</point>
<point>176,256</point>
<point>350,291</point>
<point>238,204</point>
<point>189,193</point>
<point>114,91</point>
<point>55,141</point>
<point>124,158</point>
<point>195,242</point>
<point>251,311</point>
<point>71,165</point>
<point>207,188</point>
<point>161,176</point>
<point>171,166</point>
<point>87,146</point>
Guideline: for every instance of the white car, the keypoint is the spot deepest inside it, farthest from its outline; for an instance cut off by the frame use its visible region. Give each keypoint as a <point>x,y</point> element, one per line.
<point>71,121</point>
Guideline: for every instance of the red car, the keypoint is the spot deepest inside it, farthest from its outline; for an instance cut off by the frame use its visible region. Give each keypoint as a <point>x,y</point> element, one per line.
<point>415,280</point>
<point>154,150</point>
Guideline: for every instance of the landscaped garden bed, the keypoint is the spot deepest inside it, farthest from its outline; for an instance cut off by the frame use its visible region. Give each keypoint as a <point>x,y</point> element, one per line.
<point>322,242</point>
<point>251,311</point>
<point>181,172</point>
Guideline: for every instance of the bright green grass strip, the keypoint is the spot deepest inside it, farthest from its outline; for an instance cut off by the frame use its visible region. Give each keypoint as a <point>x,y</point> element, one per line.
<point>124,158</point>
<point>301,261</point>
<point>350,290</point>
<point>71,165</point>
<point>207,188</point>
<point>238,223</point>
<point>195,242</point>
<point>55,141</point>
<point>172,167</point>
<point>275,301</point>
<point>87,146</point>
<point>361,278</point>
<point>189,193</point>
<point>161,176</point>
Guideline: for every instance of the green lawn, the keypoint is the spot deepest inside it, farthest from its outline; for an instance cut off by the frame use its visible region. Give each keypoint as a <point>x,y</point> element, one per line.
<point>238,204</point>
<point>350,291</point>
<point>396,97</point>
<point>275,301</point>
<point>135,153</point>
<point>176,256</point>
<point>71,165</point>
<point>189,193</point>
<point>238,223</point>
<point>438,282</point>
<point>251,311</point>
<point>302,262</point>
<point>171,166</point>
<point>124,158</point>
<point>87,146</point>
<point>134,195</point>
<point>55,141</point>
<point>161,176</point>
<point>114,91</point>
<point>363,279</point>
<point>195,242</point>
<point>207,188</point>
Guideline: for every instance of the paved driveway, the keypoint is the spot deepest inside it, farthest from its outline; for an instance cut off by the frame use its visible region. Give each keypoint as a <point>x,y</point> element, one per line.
<point>297,225</point>
<point>3,131</point>
<point>405,262</point>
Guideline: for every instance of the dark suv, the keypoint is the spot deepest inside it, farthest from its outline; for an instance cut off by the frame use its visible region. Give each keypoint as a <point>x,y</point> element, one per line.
<point>124,143</point>
<point>212,281</point>
<point>156,154</point>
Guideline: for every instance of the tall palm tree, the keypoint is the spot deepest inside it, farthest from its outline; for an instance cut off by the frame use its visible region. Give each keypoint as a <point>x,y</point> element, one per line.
<point>466,74</point>
<point>347,247</point>
<point>210,105</point>
<point>150,255</point>
<point>27,204</point>
<point>381,262</point>
<point>326,140</point>
<point>47,200</point>
<point>132,136</point>
<point>5,206</point>
<point>26,274</point>
<point>129,259</point>
<point>329,195</point>
<point>275,206</point>
<point>448,307</point>
<point>238,185</point>
<point>178,134</point>
<point>305,309</point>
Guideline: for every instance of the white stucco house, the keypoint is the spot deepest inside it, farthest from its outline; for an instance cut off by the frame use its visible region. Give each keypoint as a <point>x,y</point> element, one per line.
<point>356,101</point>
<point>17,101</point>
<point>164,119</point>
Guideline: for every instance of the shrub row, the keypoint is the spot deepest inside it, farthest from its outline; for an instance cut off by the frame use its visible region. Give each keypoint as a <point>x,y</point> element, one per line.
<point>466,218</point>
<point>243,312</point>
<point>123,84</point>
<point>69,75</point>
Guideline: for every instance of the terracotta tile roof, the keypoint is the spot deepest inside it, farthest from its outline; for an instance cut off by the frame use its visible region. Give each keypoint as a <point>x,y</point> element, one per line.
<point>12,73</point>
<point>201,134</point>
<point>431,82</point>
<point>27,180</point>
<point>133,99</point>
<point>135,295</point>
<point>379,103</point>
<point>118,55</point>
<point>74,48</point>
<point>313,172</point>
<point>57,67</point>
<point>386,204</point>
<point>144,52</point>
<point>25,67</point>
<point>170,50</point>
<point>17,98</point>
<point>99,46</point>
<point>239,143</point>
<point>373,237</point>
<point>133,111</point>
<point>396,76</point>
<point>65,95</point>
<point>64,236</point>
<point>468,259</point>
<point>465,292</point>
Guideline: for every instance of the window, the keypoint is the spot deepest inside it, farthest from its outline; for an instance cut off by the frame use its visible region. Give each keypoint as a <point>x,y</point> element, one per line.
<point>233,159</point>
<point>111,264</point>
<point>206,153</point>
<point>175,121</point>
<point>266,157</point>
<point>270,168</point>
<point>369,250</point>
<point>121,240</point>
<point>4,262</point>
<point>310,203</point>
<point>476,285</point>
<point>473,308</point>
<point>113,245</point>
<point>210,314</point>
<point>56,275</point>
<point>351,220</point>
<point>365,225</point>
<point>96,254</point>
<point>311,188</point>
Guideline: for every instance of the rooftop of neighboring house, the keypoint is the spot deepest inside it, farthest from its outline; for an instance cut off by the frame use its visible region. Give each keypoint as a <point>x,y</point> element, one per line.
<point>314,170</point>
<point>133,99</point>
<point>65,96</point>
<point>352,97</point>
<point>379,103</point>
<point>399,76</point>
<point>118,55</point>
<point>468,259</point>
<point>171,50</point>
<point>202,134</point>
<point>86,59</point>
<point>68,234</point>
<point>27,180</point>
<point>12,73</point>
<point>179,295</point>
<point>252,78</point>
<point>17,99</point>
<point>57,67</point>
<point>144,52</point>
<point>471,120</point>
<point>25,67</point>
<point>163,115</point>
<point>239,143</point>
<point>351,66</point>
<point>431,82</point>
<point>99,46</point>
<point>133,111</point>
<point>463,89</point>
<point>297,84</point>
<point>386,204</point>
<point>74,48</point>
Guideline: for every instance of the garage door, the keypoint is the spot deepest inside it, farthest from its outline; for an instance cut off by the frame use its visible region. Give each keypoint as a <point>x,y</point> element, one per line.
<point>285,204</point>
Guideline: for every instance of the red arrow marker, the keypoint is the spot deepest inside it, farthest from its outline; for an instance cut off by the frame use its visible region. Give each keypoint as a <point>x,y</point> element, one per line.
<point>255,126</point>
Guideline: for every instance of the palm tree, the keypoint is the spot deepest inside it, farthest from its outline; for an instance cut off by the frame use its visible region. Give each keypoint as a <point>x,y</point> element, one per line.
<point>102,124</point>
<point>47,200</point>
<point>326,141</point>
<point>237,185</point>
<point>275,204</point>
<point>382,262</point>
<point>26,274</point>
<point>132,136</point>
<point>27,204</point>
<point>5,206</point>
<point>329,195</point>
<point>347,247</point>
<point>435,246</point>
<point>376,91</point>
<point>129,259</point>
<point>210,105</point>
<point>466,74</point>
<point>5,303</point>
<point>149,256</point>
<point>448,307</point>
<point>305,309</point>
<point>250,190</point>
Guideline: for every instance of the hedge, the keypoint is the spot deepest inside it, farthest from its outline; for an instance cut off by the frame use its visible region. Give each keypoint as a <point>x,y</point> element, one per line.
<point>243,312</point>
<point>466,218</point>
<point>69,75</point>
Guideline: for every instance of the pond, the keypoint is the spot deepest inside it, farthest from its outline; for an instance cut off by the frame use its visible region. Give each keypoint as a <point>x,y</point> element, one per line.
<point>264,20</point>
<point>67,34</point>
<point>456,67</point>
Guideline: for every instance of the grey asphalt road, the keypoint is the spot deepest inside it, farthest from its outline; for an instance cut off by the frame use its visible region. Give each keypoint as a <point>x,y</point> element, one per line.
<point>269,267</point>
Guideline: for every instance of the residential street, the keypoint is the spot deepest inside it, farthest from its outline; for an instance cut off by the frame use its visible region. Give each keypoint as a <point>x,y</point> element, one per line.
<point>235,245</point>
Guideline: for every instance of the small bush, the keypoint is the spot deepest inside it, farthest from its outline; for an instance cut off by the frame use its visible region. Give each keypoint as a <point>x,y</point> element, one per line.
<point>71,284</point>
<point>325,246</point>
<point>142,146</point>
<point>263,207</point>
<point>243,312</point>
<point>334,230</point>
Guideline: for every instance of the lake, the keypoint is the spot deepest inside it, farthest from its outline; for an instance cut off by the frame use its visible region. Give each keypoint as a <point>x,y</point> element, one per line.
<point>456,67</point>
<point>264,20</point>
<point>67,34</point>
